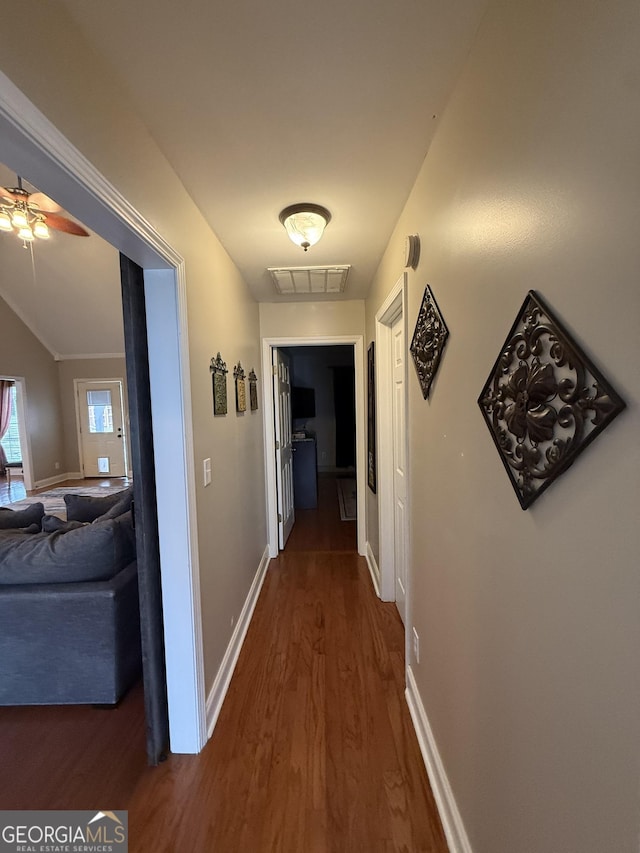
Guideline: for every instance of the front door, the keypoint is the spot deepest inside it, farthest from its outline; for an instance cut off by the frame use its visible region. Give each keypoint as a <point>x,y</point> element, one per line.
<point>103,451</point>
<point>284,449</point>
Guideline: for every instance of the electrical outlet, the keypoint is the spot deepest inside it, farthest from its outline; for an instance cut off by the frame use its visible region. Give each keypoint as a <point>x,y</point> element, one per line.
<point>206,465</point>
<point>57,466</point>
<point>416,646</point>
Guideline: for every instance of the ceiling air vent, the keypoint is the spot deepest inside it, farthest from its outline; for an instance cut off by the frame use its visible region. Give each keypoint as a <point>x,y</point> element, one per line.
<point>290,280</point>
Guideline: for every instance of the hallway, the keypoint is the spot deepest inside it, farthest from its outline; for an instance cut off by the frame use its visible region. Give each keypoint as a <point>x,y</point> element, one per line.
<point>314,748</point>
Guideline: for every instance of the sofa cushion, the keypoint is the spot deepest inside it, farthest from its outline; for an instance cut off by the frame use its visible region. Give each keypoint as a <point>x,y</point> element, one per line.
<point>50,523</point>
<point>88,508</point>
<point>93,552</point>
<point>119,508</point>
<point>10,518</point>
<point>20,531</point>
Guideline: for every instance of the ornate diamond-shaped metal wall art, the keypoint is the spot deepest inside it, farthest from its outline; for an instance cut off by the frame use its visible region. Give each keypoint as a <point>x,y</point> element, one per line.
<point>219,377</point>
<point>241,391</point>
<point>544,401</point>
<point>428,341</point>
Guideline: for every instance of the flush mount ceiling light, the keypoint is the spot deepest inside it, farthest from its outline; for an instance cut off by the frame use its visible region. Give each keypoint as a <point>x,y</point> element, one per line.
<point>31,215</point>
<point>305,223</point>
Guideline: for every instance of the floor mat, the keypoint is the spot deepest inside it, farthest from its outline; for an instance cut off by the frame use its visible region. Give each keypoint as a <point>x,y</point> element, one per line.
<point>53,499</point>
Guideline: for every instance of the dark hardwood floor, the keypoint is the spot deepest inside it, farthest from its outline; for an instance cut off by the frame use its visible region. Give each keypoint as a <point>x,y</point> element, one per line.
<point>72,756</point>
<point>313,751</point>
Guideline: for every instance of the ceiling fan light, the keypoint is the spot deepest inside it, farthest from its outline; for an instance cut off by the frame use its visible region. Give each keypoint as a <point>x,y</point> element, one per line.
<point>5,221</point>
<point>25,233</point>
<point>41,229</point>
<point>305,223</point>
<point>19,219</point>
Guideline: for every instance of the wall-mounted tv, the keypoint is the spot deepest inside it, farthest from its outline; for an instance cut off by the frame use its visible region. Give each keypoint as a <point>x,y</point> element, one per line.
<point>303,402</point>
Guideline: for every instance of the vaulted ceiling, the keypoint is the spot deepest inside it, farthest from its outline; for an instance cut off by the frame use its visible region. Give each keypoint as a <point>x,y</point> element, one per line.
<point>258,106</point>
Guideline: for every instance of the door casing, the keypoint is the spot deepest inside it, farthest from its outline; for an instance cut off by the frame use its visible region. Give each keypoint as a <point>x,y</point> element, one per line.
<point>32,145</point>
<point>268,408</point>
<point>25,443</point>
<point>393,307</point>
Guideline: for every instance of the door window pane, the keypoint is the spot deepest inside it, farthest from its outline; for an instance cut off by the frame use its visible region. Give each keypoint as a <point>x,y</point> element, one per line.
<point>100,411</point>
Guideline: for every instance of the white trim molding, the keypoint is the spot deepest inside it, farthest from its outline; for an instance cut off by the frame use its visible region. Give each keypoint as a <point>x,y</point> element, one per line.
<point>447,808</point>
<point>374,569</point>
<point>393,307</point>
<point>52,481</point>
<point>268,344</point>
<point>223,678</point>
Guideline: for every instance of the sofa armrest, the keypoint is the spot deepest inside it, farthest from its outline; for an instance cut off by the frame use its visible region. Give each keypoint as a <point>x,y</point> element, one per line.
<point>69,643</point>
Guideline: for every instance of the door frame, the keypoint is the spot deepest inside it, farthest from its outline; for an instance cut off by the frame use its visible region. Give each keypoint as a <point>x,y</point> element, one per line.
<point>25,443</point>
<point>268,407</point>
<point>394,306</point>
<point>125,421</point>
<point>32,145</point>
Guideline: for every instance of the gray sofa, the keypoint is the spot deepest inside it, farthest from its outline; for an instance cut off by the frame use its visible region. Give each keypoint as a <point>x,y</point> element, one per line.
<point>69,615</point>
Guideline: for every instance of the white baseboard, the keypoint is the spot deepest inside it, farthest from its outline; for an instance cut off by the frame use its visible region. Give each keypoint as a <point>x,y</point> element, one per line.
<point>447,808</point>
<point>374,569</point>
<point>58,478</point>
<point>221,683</point>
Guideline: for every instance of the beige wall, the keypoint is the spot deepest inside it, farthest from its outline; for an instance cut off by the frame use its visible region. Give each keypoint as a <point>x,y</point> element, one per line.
<point>85,368</point>
<point>529,621</point>
<point>22,354</point>
<point>311,319</point>
<point>81,98</point>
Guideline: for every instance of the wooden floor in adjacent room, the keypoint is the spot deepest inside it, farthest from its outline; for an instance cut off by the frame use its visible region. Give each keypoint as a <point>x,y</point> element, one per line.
<point>13,491</point>
<point>313,751</point>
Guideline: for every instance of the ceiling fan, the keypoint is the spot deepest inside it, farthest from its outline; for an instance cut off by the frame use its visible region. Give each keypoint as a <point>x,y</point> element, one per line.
<point>31,215</point>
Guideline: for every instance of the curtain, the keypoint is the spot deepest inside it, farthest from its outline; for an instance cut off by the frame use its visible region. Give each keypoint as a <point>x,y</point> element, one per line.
<point>5,417</point>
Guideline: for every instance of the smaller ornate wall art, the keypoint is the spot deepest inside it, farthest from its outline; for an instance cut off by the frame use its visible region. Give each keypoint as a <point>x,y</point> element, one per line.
<point>371,418</point>
<point>219,377</point>
<point>253,390</point>
<point>544,401</point>
<point>428,341</point>
<point>241,391</point>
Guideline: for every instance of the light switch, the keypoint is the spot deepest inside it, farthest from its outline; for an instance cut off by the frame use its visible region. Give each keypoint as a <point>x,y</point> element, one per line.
<point>207,471</point>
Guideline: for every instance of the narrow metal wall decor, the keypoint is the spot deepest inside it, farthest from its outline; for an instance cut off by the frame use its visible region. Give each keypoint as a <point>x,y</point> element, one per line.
<point>544,401</point>
<point>219,372</point>
<point>253,390</point>
<point>428,341</point>
<point>241,391</point>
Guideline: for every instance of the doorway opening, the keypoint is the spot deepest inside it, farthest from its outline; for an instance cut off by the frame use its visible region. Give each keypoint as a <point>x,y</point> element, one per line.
<point>330,444</point>
<point>15,439</point>
<point>33,146</point>
<point>321,394</point>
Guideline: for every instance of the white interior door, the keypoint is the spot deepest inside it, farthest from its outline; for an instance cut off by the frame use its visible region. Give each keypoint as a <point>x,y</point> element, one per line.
<point>284,453</point>
<point>399,465</point>
<point>103,451</point>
